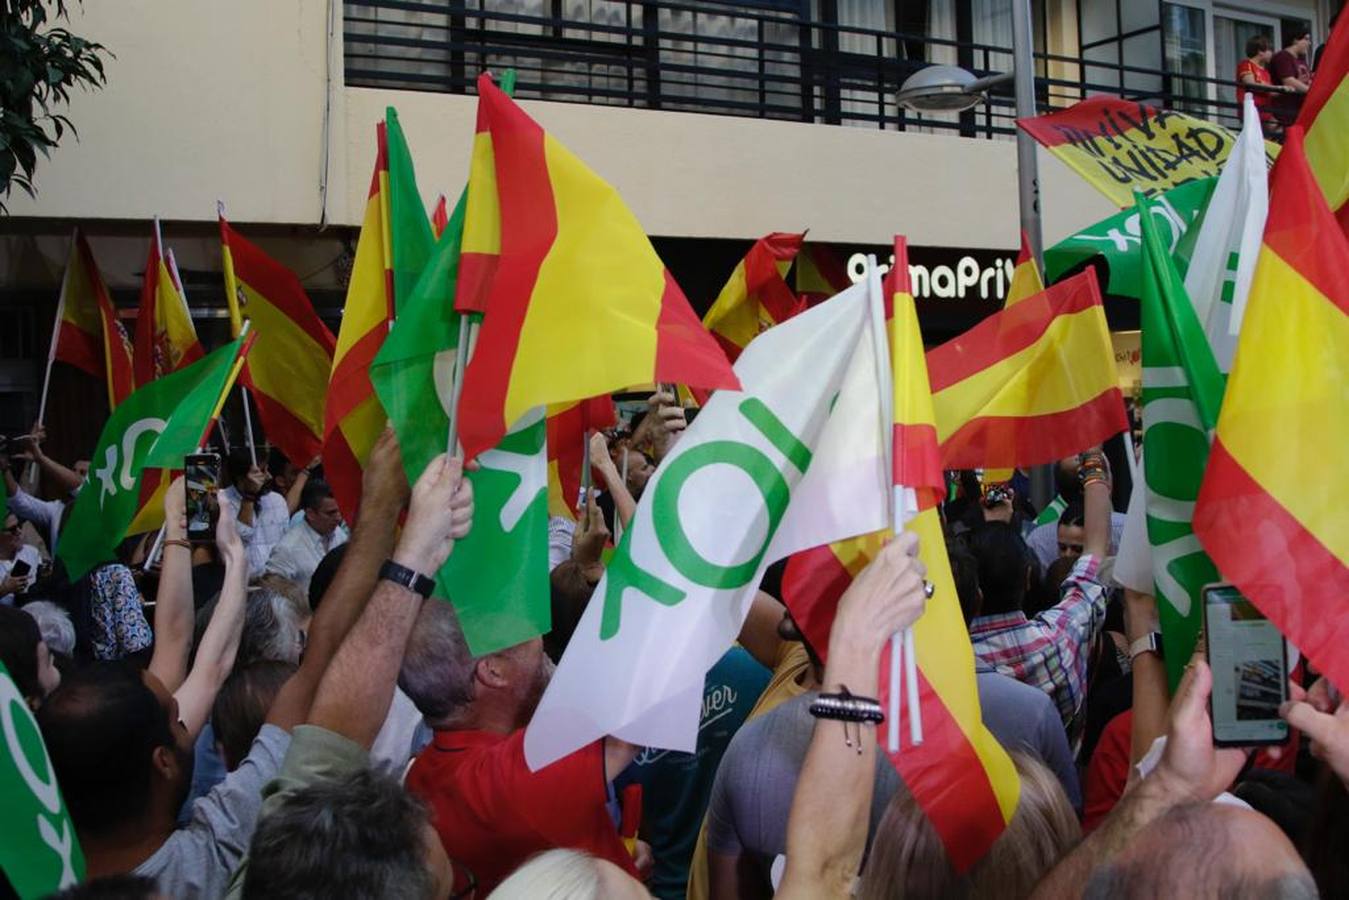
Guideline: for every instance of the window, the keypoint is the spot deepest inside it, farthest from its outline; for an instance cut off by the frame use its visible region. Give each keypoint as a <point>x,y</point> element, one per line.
<point>1185,52</point>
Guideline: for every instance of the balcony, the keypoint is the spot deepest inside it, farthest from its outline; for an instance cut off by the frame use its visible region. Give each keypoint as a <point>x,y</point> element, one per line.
<point>766,59</point>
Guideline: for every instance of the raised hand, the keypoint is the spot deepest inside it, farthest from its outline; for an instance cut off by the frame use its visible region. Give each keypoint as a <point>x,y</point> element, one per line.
<point>441,513</point>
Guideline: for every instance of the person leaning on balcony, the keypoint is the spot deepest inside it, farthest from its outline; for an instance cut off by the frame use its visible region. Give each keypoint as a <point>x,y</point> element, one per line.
<point>1289,69</point>
<point>1254,70</point>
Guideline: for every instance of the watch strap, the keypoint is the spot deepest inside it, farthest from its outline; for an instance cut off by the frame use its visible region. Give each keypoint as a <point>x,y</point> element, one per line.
<point>1148,643</point>
<point>408,578</point>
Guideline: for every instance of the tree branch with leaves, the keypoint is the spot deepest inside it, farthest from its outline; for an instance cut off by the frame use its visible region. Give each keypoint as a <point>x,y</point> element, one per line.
<point>40,63</point>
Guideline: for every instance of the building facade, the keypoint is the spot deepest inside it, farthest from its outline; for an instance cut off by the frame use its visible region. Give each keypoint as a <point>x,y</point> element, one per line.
<point>717,121</point>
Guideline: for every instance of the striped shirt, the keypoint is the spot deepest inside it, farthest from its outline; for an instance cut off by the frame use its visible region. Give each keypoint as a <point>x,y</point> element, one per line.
<point>1052,650</point>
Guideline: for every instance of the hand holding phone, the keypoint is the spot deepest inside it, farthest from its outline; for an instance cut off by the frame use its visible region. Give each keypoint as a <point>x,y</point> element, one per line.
<point>1249,659</point>
<point>201,482</point>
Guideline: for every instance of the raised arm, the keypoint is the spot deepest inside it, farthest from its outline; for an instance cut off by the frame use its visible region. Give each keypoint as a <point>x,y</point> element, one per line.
<point>1191,770</point>
<point>827,829</point>
<point>624,505</point>
<point>66,478</point>
<point>174,609</point>
<point>220,642</point>
<point>354,695</point>
<point>1094,473</point>
<point>297,486</point>
<point>1150,696</point>
<point>384,491</point>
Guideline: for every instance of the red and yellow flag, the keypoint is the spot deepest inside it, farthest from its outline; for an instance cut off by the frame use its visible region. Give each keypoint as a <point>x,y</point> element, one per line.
<point>568,424</point>
<point>352,417</point>
<point>292,355</point>
<point>960,775</point>
<point>440,217</point>
<point>1276,533</point>
<point>89,335</point>
<point>1029,385</point>
<point>1026,281</point>
<point>166,340</point>
<point>577,302</point>
<point>819,274</point>
<point>1325,121</point>
<point>756,296</point>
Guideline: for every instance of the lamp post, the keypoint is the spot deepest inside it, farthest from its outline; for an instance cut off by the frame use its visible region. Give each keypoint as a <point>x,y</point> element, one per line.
<point>953,89</point>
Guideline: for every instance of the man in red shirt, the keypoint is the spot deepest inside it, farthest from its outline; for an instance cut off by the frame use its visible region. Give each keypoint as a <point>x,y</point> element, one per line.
<point>486,803</point>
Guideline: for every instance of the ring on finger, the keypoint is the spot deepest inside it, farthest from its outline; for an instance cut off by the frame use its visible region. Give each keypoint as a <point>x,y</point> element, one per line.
<point>928,589</point>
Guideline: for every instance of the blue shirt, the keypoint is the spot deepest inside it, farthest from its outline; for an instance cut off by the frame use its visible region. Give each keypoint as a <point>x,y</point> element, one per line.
<point>676,787</point>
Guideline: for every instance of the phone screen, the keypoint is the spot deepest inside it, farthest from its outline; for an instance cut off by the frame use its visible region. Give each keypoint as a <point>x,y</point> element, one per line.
<point>19,569</point>
<point>1250,670</point>
<point>201,479</point>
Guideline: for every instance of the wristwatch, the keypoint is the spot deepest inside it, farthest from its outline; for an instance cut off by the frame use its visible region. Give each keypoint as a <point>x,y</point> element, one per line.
<point>1148,643</point>
<point>408,578</point>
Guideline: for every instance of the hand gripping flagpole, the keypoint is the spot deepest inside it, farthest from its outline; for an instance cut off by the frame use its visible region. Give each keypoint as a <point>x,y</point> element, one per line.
<point>903,657</point>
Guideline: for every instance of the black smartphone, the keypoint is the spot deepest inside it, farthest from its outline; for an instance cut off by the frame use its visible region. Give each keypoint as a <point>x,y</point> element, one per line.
<point>19,569</point>
<point>201,477</point>
<point>1249,659</point>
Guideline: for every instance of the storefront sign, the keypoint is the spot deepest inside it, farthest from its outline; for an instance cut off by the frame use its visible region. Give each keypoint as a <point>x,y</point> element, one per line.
<point>945,274</point>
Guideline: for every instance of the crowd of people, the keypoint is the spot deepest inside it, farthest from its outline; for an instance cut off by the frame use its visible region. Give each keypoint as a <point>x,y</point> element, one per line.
<point>286,711</point>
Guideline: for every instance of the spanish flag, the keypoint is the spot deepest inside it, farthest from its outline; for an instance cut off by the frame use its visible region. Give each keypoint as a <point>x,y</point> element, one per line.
<point>1029,385</point>
<point>166,340</point>
<point>1325,121</point>
<point>88,334</point>
<point>292,351</point>
<point>960,775</point>
<point>1026,281</point>
<point>1277,534</point>
<point>568,426</point>
<point>756,296</point>
<point>577,302</point>
<point>352,416</point>
<point>819,274</point>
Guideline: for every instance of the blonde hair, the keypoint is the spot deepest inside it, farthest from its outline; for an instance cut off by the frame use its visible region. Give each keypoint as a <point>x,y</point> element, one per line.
<point>907,858</point>
<point>553,875</point>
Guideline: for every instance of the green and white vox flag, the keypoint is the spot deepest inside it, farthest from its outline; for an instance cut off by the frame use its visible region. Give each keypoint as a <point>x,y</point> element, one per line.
<point>153,428</point>
<point>39,853</point>
<point>1228,241</point>
<point>1182,392</point>
<point>1116,241</point>
<point>794,459</point>
<point>497,577</point>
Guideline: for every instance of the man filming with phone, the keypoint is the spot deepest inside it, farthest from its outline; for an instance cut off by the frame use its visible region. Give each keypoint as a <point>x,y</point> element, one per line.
<point>18,561</point>
<point>263,514</point>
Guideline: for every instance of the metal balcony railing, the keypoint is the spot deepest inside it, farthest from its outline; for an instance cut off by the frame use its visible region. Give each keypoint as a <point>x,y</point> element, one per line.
<point>767,59</point>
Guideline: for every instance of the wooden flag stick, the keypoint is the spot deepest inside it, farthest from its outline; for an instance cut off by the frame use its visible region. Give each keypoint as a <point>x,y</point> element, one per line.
<point>461,352</point>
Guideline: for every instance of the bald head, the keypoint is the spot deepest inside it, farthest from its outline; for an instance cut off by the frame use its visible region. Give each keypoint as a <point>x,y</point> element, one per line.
<point>1206,850</point>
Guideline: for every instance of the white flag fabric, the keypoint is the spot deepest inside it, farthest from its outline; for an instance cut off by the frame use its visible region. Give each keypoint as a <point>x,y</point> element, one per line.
<point>1133,562</point>
<point>794,460</point>
<point>1223,262</point>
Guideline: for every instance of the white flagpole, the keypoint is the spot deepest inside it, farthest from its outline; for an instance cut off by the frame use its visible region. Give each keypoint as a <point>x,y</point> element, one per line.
<point>885,385</point>
<point>457,387</point>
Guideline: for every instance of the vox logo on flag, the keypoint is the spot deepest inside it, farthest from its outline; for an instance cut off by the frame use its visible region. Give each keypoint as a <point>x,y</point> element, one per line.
<point>39,853</point>
<point>115,473</point>
<point>713,467</point>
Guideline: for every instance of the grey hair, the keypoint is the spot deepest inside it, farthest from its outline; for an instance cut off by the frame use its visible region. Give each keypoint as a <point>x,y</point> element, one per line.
<point>273,626</point>
<point>58,632</point>
<point>360,836</point>
<point>554,875</point>
<point>437,671</point>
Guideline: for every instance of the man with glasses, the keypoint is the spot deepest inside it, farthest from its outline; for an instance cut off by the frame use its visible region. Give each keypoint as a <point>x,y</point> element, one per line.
<point>15,553</point>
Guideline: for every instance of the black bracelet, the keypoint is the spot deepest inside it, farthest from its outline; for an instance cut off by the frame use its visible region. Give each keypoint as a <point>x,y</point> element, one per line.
<point>847,707</point>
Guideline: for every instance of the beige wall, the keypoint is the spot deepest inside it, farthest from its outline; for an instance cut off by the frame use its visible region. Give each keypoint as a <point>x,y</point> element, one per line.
<point>210,100</point>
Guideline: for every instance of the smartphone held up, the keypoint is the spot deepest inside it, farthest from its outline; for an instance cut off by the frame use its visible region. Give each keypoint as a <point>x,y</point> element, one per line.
<point>1249,660</point>
<point>201,480</point>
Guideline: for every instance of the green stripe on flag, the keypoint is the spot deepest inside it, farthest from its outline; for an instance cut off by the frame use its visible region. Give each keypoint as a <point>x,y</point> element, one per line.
<point>1182,391</point>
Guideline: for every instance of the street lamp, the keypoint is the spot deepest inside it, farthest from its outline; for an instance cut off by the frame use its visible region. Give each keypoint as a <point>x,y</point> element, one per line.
<point>953,89</point>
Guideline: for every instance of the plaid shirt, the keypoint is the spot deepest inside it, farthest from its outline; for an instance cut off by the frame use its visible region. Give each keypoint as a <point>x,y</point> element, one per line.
<point>1050,651</point>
